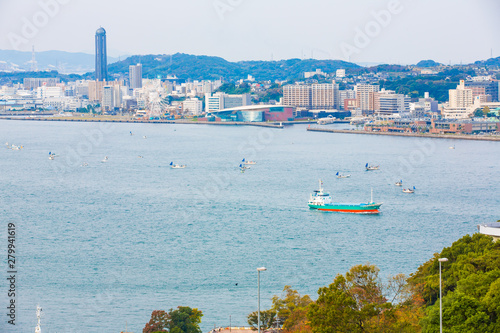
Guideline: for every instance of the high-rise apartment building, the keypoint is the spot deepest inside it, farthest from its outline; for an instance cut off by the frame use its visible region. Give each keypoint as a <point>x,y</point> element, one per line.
<point>135,76</point>
<point>96,88</point>
<point>325,96</point>
<point>297,95</point>
<point>108,100</point>
<point>460,97</point>
<point>365,96</point>
<point>101,59</point>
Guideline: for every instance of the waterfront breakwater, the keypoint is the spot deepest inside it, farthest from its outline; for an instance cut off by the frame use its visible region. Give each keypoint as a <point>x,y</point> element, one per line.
<point>418,135</point>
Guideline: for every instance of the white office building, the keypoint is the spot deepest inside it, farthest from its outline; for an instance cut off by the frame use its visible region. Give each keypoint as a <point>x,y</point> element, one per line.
<point>340,73</point>
<point>219,101</point>
<point>49,92</point>
<point>192,106</point>
<point>387,102</point>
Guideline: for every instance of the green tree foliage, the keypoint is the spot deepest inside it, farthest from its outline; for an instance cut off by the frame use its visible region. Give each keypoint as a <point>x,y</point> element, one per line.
<point>471,282</point>
<point>187,66</point>
<point>267,319</point>
<point>350,303</point>
<point>415,86</point>
<point>359,302</point>
<point>478,113</point>
<point>291,309</point>
<point>182,320</point>
<point>232,89</point>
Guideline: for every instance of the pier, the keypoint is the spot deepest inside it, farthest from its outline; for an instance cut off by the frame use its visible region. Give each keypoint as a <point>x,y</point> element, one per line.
<point>416,135</point>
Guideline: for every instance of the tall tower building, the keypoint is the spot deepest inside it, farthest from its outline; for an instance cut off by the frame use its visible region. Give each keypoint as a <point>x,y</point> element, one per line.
<point>101,59</point>
<point>135,76</point>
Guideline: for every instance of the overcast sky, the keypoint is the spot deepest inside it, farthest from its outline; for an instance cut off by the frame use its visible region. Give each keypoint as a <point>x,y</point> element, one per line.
<point>387,31</point>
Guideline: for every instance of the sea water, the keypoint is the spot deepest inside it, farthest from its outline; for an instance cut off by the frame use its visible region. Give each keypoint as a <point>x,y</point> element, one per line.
<point>100,245</point>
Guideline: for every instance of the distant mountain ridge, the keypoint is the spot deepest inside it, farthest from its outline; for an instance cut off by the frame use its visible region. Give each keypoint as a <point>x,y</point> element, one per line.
<point>428,63</point>
<point>187,66</point>
<point>63,62</point>
<point>489,62</point>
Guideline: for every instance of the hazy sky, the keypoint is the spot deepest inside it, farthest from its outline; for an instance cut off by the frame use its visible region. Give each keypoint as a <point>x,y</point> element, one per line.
<point>389,31</point>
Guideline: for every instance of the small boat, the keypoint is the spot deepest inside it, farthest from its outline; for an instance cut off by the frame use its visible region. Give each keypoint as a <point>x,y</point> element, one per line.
<point>51,155</point>
<point>409,190</point>
<point>322,201</point>
<point>244,167</point>
<point>84,164</point>
<point>248,162</point>
<point>105,159</point>
<point>38,328</point>
<point>452,147</point>
<point>140,156</point>
<point>400,183</point>
<point>177,166</point>
<point>14,147</point>
<point>131,133</point>
<point>371,167</point>
<point>339,175</point>
<point>144,137</point>
<point>325,121</point>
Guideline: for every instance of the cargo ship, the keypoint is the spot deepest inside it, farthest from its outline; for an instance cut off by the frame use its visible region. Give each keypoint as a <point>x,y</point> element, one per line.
<point>322,200</point>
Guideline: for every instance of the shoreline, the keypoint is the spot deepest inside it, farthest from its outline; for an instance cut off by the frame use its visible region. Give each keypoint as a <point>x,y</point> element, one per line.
<point>415,135</point>
<point>275,124</point>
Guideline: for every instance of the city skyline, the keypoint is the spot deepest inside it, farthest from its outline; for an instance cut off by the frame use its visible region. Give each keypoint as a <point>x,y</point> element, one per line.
<point>380,31</point>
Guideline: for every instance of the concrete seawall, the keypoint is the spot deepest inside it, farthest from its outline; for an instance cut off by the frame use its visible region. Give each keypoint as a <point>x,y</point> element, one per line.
<point>158,121</point>
<point>416,135</point>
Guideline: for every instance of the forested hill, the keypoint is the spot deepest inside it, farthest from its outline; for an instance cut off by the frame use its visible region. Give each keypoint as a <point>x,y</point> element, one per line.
<point>195,67</point>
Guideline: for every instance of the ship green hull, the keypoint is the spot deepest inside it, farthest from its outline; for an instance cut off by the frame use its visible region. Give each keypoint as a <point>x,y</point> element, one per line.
<point>371,208</point>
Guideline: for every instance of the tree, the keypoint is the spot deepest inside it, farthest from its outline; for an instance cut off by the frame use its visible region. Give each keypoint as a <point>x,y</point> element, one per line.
<point>182,320</point>
<point>335,310</point>
<point>291,300</point>
<point>266,319</point>
<point>471,282</point>
<point>185,320</point>
<point>486,110</point>
<point>478,113</point>
<point>350,303</point>
<point>159,322</point>
<point>291,310</point>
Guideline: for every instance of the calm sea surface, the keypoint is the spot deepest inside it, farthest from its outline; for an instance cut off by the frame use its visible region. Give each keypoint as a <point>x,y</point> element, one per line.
<point>103,245</point>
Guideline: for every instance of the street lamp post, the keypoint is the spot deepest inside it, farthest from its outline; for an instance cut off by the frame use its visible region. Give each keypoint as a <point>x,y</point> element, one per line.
<point>260,269</point>
<point>441,296</point>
